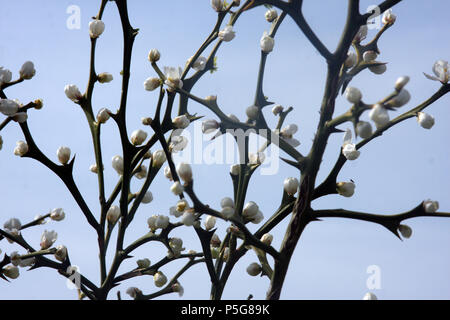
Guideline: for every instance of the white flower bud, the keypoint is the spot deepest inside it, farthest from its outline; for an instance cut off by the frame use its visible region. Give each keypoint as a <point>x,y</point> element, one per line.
<point>72,92</point>
<point>441,70</point>
<point>252,112</point>
<point>96,28</point>
<point>105,77</point>
<point>184,171</point>
<point>271,15</point>
<point>405,231</point>
<point>209,126</point>
<point>151,83</point>
<point>21,148</point>
<point>267,239</point>
<point>351,60</point>
<point>254,269</point>
<point>389,17</point>
<point>173,78</point>
<point>142,173</point>
<point>370,56</point>
<point>227,212</point>
<point>199,64</point>
<point>235,169</point>
<point>117,164</point>
<point>401,83</point>
<point>20,117</point>
<point>276,110</point>
<point>177,287</point>
<point>364,129</point>
<point>400,99</point>
<point>134,292</point>
<point>8,107</point>
<point>227,34</point>
<point>61,253</point>
<point>160,279</point>
<point>5,75</point>
<point>63,154</point>
<point>267,43</point>
<point>210,222</point>
<point>57,214</point>
<point>143,263</point>
<point>353,95</point>
<point>379,115</point>
<point>181,122</point>
<point>227,202</point>
<point>162,222</point>
<point>217,5</point>
<point>346,189</point>
<point>188,218</point>
<point>291,186</point>
<point>425,120</point>
<point>370,296</point>
<point>47,239</point>
<point>11,272</point>
<point>138,137</point>
<point>27,70</point>
<point>154,55</point>
<point>93,168</point>
<point>177,188</point>
<point>12,224</point>
<point>379,69</point>
<point>257,218</point>
<point>168,173</point>
<point>148,197</point>
<point>113,214</point>
<point>15,258</point>
<point>349,151</point>
<point>103,115</point>
<point>250,210</point>
<point>430,206</point>
<point>159,157</point>
<point>289,130</point>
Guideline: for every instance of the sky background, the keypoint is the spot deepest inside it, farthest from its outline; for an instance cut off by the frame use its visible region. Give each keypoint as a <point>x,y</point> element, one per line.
<point>394,173</point>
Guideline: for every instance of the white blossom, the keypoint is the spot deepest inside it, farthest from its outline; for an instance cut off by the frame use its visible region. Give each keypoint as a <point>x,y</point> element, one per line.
<point>5,75</point>
<point>113,214</point>
<point>177,143</point>
<point>348,148</point>
<point>158,222</point>
<point>267,239</point>
<point>351,60</point>
<point>370,56</point>
<point>27,71</point>
<point>199,64</point>
<point>11,272</point>
<point>379,115</point>
<point>271,15</point>
<point>103,115</point>
<point>142,172</point>
<point>254,269</point>
<point>227,34</point>
<point>151,83</point>
<point>378,69</point>
<point>430,206</point>
<point>425,120</point>
<point>72,92</point>
<point>154,55</point>
<point>105,77</point>
<point>63,154</point>
<point>256,158</point>
<point>181,122</point>
<point>250,210</point>
<point>227,202</point>
<point>177,287</point>
<point>96,28</point>
<point>93,168</point>
<point>117,164</point>
<point>188,218</point>
<point>235,169</point>
<point>353,95</point>
<point>143,263</point>
<point>9,107</point>
<point>227,212</point>
<point>441,70</point>
<point>210,222</point>
<point>13,226</point>
<point>173,77</point>
<point>276,110</point>
<point>57,214</point>
<point>159,157</point>
<point>267,43</point>
<point>176,188</point>
<point>148,197</point>
<point>61,253</point>
<point>217,5</point>
<point>209,126</point>
<point>252,112</point>
<point>291,185</point>
<point>160,279</point>
<point>47,239</point>
<point>138,137</point>
<point>405,231</point>
<point>21,148</point>
<point>257,218</point>
<point>389,17</point>
<point>20,117</point>
<point>364,129</point>
<point>346,189</point>
<point>401,83</point>
<point>168,173</point>
<point>184,171</point>
<point>134,292</point>
<point>400,99</point>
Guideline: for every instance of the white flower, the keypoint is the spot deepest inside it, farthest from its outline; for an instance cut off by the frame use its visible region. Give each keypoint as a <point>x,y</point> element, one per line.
<point>176,244</point>
<point>401,83</point>
<point>267,239</point>
<point>148,197</point>
<point>177,143</point>
<point>143,263</point>
<point>177,188</point>
<point>351,60</point>
<point>291,186</point>
<point>173,77</point>
<point>57,214</point>
<point>15,258</point>
<point>13,225</point>
<point>227,212</point>
<point>425,120</point>
<point>158,221</point>
<point>389,17</point>
<point>209,126</point>
<point>93,168</point>
<point>103,115</point>
<point>21,148</point>
<point>177,287</point>
<point>210,222</point>
<point>271,15</point>
<point>20,117</point>
<point>227,202</point>
<point>267,43</point>
<point>235,169</point>
<point>154,55</point>
<point>151,83</point>
<point>378,69</point>
<point>117,164</point>
<point>8,107</point>
<point>370,296</point>
<point>160,279</point>
<point>134,292</point>
<point>405,231</point>
<point>430,206</point>
<point>250,210</point>
<point>276,110</point>
<point>379,115</point>
<point>364,129</point>
<point>11,271</point>
<point>400,99</point>
<point>61,253</point>
<point>199,64</point>
<point>104,77</point>
<point>72,92</point>
<point>63,154</point>
<point>346,189</point>
<point>188,218</point>
<point>353,95</point>
<point>370,56</point>
<point>256,158</point>
<point>441,70</point>
<point>217,5</point>
<point>47,239</point>
<point>113,214</point>
<point>96,28</point>
<point>142,173</point>
<point>138,137</point>
<point>257,218</point>
<point>159,157</point>
<point>362,34</point>
<point>254,269</point>
<point>227,34</point>
<point>181,122</point>
<point>5,75</point>
<point>168,173</point>
<point>27,70</point>
<point>252,112</point>
<point>348,148</point>
<point>289,130</point>
<point>184,170</point>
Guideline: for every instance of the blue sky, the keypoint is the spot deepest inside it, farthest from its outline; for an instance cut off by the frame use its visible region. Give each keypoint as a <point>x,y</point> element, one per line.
<point>393,174</point>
